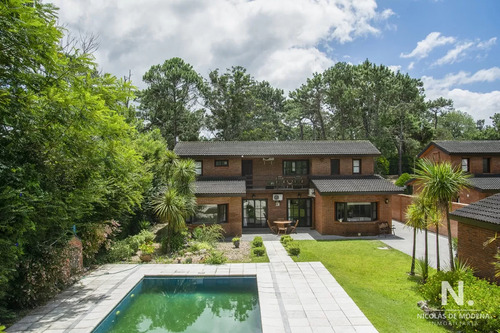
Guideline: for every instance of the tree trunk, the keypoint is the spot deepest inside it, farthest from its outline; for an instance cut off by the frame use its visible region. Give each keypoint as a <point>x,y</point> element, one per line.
<point>412,270</point>
<point>426,258</point>
<point>437,248</point>
<point>450,241</point>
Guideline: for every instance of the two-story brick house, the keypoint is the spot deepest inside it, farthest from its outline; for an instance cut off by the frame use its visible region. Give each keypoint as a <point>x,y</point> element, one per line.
<point>327,185</point>
<point>479,158</point>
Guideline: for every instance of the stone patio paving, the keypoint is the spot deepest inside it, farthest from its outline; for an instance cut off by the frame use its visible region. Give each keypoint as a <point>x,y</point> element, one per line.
<point>294,297</point>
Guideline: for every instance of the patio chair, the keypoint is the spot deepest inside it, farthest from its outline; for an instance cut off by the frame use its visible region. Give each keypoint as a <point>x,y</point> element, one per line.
<point>384,229</point>
<point>292,228</point>
<point>273,228</point>
<point>284,229</point>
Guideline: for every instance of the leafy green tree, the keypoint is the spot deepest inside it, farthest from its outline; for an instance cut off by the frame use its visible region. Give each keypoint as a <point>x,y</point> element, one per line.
<point>439,107</point>
<point>440,183</point>
<point>456,125</point>
<point>172,101</point>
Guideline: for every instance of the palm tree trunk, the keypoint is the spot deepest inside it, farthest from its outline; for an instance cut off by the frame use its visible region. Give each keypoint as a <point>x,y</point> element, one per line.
<point>426,270</point>
<point>450,241</point>
<point>412,270</point>
<point>437,248</point>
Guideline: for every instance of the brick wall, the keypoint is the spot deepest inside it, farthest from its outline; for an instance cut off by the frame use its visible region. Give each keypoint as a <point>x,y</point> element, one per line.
<point>319,166</point>
<point>325,215</point>
<point>233,226</point>
<point>209,168</point>
<point>400,203</point>
<point>471,249</point>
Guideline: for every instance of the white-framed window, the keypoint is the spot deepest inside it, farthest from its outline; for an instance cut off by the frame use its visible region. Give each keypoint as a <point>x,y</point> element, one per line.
<point>198,167</point>
<point>465,164</point>
<point>356,166</point>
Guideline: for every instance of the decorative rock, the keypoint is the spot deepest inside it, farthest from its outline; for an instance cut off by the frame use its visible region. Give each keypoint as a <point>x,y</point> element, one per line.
<point>188,254</point>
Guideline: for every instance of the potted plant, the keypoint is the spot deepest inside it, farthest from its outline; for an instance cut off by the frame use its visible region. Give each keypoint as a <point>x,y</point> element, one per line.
<point>236,242</point>
<point>147,250</point>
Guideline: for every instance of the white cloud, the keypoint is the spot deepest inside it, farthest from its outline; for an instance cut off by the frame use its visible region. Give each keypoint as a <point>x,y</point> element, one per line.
<point>454,54</point>
<point>425,46</point>
<point>411,65</point>
<point>487,44</point>
<point>394,68</point>
<point>479,105</point>
<point>275,40</point>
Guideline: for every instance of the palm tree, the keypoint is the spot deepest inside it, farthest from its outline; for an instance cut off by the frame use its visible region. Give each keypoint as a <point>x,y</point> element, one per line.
<point>435,220</point>
<point>441,182</point>
<point>417,215</point>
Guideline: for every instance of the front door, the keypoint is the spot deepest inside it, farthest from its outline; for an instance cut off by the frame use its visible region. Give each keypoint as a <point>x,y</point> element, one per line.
<point>254,213</point>
<point>300,209</point>
<point>247,172</point>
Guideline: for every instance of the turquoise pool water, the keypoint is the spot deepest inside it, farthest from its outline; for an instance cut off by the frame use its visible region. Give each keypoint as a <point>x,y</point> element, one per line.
<point>187,304</point>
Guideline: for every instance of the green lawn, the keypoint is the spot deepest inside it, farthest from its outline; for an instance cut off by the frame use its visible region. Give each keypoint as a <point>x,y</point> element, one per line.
<point>375,279</point>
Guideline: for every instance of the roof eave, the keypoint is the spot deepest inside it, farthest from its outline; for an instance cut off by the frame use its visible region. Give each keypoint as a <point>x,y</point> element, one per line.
<point>361,193</point>
<point>475,222</point>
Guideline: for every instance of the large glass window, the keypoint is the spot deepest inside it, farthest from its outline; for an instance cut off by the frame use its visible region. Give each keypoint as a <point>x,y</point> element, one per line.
<point>291,168</point>
<point>486,165</point>
<point>198,167</point>
<point>335,167</point>
<point>465,164</point>
<point>209,214</point>
<point>356,166</point>
<point>254,213</point>
<point>355,211</point>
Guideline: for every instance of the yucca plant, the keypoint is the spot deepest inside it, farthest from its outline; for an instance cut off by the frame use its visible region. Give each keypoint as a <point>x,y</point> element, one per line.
<point>440,183</point>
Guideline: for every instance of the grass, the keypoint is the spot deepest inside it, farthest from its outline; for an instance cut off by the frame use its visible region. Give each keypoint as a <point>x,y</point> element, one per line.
<point>254,258</point>
<point>376,280</point>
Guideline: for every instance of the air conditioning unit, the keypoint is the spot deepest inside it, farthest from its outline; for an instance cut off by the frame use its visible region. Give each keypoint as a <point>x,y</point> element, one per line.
<point>311,192</point>
<point>277,197</point>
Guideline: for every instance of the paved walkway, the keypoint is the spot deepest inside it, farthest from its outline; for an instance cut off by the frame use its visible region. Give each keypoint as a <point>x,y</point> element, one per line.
<point>403,241</point>
<point>293,297</point>
<point>276,252</point>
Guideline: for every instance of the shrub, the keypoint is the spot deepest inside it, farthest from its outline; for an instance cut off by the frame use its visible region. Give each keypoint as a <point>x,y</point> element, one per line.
<point>197,246</point>
<point>258,251</point>
<point>403,179</point>
<point>293,249</point>
<point>147,235</point>
<point>137,240</point>
<point>147,248</point>
<point>97,236</point>
<point>144,225</point>
<point>210,234</point>
<point>188,260</point>
<point>479,296</point>
<point>285,239</point>
<point>177,242</point>
<point>120,250</point>
<point>41,275</point>
<point>215,258</point>
<point>257,242</point>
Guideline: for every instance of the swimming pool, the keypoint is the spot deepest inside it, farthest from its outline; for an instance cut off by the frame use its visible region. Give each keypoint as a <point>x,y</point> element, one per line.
<point>187,304</point>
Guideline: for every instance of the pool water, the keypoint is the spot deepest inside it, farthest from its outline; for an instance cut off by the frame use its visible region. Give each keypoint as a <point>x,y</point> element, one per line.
<point>187,304</point>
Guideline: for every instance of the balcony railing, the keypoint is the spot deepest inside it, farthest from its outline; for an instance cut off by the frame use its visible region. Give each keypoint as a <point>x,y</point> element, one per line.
<point>277,182</point>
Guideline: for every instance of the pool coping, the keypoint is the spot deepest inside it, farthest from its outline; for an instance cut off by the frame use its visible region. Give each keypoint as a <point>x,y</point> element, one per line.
<point>293,297</point>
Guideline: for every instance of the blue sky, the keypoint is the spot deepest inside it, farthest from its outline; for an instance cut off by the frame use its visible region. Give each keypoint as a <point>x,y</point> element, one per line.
<point>452,45</point>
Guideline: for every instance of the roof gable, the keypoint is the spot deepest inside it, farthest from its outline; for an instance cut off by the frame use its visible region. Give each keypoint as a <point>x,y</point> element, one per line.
<point>275,148</point>
<point>475,147</point>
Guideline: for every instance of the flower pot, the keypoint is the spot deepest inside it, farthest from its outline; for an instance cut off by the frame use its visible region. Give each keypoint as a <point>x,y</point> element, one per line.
<point>236,244</point>
<point>146,257</point>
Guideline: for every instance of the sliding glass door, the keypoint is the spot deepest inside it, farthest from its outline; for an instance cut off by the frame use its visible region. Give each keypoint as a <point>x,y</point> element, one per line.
<point>300,209</point>
<point>254,213</point>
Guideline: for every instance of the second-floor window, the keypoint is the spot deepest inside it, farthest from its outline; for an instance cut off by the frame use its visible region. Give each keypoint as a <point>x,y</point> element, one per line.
<point>465,165</point>
<point>198,167</point>
<point>335,167</point>
<point>291,168</point>
<point>356,166</point>
<point>486,165</point>
<point>221,163</point>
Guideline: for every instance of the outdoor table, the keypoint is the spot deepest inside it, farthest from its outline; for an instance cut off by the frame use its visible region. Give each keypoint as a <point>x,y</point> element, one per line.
<point>282,224</point>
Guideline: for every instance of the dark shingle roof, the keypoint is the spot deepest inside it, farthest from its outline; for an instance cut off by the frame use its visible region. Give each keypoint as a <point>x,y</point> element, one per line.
<point>485,183</point>
<point>372,184</point>
<point>220,187</point>
<point>274,148</point>
<point>485,210</point>
<point>466,147</point>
